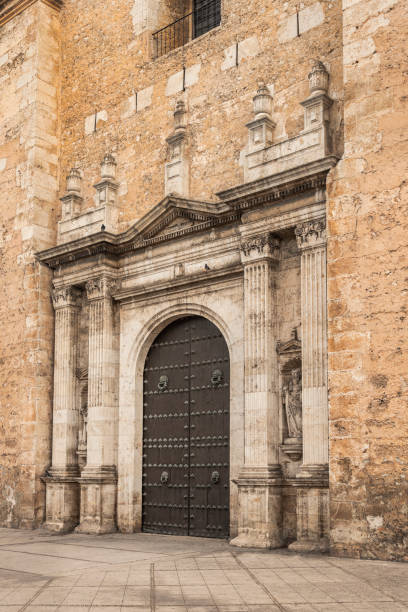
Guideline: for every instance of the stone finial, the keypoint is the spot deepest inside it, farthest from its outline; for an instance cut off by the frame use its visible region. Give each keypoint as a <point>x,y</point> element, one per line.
<point>108,167</point>
<point>74,180</point>
<point>318,78</point>
<point>180,116</point>
<point>262,102</point>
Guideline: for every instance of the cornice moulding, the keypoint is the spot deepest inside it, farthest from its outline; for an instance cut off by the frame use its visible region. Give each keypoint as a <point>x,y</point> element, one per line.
<point>204,216</point>
<point>11,8</point>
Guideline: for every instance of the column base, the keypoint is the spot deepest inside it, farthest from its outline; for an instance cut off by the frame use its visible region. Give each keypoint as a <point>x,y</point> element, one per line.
<point>98,501</point>
<point>260,508</point>
<point>62,500</point>
<point>255,539</point>
<point>312,511</point>
<point>310,546</point>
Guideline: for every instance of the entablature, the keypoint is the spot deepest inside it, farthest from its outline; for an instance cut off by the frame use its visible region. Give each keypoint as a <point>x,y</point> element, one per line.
<point>176,218</point>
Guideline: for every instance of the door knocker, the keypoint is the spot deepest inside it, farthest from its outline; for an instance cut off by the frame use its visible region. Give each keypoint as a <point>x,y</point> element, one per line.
<point>164,478</point>
<point>163,383</point>
<point>217,377</point>
<point>215,477</point>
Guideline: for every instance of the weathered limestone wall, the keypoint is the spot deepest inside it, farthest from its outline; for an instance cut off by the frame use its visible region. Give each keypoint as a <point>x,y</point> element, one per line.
<point>367,287</point>
<point>29,74</point>
<point>107,61</point>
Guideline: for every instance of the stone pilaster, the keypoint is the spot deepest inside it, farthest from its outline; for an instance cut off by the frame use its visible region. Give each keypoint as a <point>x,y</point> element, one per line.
<point>259,482</point>
<point>62,497</point>
<point>176,180</point>
<point>312,502</point>
<point>98,478</point>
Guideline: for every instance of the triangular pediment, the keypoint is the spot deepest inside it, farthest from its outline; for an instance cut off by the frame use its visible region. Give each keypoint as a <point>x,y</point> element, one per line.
<point>179,223</point>
<point>174,216</point>
<point>293,345</point>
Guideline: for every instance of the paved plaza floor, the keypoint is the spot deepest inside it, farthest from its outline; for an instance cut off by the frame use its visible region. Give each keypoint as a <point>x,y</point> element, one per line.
<point>140,572</point>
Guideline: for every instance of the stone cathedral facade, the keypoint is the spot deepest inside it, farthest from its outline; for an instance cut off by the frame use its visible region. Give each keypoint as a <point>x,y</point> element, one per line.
<point>204,270</point>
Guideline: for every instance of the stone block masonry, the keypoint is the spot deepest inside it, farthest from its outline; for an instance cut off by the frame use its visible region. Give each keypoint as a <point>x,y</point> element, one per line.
<point>29,73</point>
<point>79,87</point>
<point>367,255</point>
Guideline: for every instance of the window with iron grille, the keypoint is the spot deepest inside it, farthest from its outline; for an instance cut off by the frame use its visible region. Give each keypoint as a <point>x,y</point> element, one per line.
<point>205,15</point>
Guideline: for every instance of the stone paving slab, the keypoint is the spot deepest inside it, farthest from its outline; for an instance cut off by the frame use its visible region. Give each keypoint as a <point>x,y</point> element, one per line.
<point>144,572</point>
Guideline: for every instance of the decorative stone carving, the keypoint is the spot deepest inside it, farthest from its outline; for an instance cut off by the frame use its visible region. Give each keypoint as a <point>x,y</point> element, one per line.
<point>72,200</point>
<point>292,393</point>
<point>318,78</point>
<point>262,102</point>
<point>317,105</point>
<point>180,117</point>
<point>265,245</point>
<point>177,169</point>
<point>101,217</point>
<point>83,417</point>
<point>107,188</point>
<point>62,297</point>
<point>74,181</point>
<point>263,158</point>
<point>261,127</point>
<point>291,396</point>
<point>311,234</point>
<point>108,167</point>
<point>99,288</point>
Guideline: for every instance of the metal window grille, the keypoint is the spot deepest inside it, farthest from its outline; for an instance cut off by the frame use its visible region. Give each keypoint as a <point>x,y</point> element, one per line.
<point>205,16</point>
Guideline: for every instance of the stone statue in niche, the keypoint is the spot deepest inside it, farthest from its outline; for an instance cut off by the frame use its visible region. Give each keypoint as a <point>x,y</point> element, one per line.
<point>290,358</point>
<point>292,398</point>
<point>83,424</point>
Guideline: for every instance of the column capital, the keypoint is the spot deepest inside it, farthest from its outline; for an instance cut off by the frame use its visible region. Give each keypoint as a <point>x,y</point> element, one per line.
<point>311,234</point>
<point>260,246</point>
<point>62,297</point>
<point>100,288</point>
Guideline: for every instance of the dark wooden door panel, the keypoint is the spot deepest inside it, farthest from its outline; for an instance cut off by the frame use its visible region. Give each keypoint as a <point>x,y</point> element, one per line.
<point>186,431</point>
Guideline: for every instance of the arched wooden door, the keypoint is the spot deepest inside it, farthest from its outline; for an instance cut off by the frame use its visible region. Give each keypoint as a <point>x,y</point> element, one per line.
<point>186,431</point>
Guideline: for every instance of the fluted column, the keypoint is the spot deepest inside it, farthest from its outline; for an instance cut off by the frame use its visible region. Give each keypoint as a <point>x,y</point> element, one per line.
<point>260,478</point>
<point>62,505</point>
<point>98,479</point>
<point>312,513</point>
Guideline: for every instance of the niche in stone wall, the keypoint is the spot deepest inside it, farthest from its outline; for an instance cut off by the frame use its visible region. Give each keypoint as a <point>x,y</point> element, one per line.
<point>82,384</point>
<point>290,362</point>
